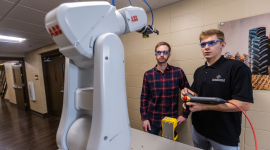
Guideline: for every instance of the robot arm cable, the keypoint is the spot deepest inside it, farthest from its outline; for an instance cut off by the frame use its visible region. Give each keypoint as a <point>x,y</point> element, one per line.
<point>214,100</point>
<point>130,3</point>
<point>256,145</point>
<point>151,12</point>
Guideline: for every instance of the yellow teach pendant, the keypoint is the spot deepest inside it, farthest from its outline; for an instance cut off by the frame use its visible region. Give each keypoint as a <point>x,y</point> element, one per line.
<point>168,128</point>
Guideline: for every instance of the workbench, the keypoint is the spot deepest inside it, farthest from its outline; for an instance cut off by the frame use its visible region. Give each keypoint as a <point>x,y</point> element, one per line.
<point>144,141</point>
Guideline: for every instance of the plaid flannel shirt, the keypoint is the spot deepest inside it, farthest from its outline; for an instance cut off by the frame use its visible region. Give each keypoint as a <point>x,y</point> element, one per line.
<point>160,91</point>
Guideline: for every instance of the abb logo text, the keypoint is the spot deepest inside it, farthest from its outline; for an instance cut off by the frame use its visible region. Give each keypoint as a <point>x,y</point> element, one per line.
<point>55,30</point>
<point>134,18</point>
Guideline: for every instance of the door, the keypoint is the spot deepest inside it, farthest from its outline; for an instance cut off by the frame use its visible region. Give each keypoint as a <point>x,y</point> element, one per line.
<point>3,82</point>
<point>55,70</point>
<point>19,86</point>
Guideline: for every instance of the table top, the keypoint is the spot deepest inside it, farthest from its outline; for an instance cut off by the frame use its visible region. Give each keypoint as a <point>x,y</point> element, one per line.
<point>145,141</point>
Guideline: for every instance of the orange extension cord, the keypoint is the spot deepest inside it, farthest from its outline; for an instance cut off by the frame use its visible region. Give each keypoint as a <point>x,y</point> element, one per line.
<point>256,145</point>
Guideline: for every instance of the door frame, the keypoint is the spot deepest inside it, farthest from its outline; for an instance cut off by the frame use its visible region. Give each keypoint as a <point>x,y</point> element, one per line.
<point>26,96</point>
<point>48,54</point>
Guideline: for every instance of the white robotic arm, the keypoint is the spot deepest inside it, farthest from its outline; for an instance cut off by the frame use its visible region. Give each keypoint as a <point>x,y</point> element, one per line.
<point>94,115</point>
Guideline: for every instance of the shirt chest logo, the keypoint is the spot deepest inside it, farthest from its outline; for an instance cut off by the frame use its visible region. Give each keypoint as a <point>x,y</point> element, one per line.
<point>218,78</point>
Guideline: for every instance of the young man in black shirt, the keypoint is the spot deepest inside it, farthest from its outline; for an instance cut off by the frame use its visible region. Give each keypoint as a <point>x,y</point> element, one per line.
<point>219,126</point>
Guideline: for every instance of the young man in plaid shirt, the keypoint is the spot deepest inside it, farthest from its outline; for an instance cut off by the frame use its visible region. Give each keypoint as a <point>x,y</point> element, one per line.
<point>160,91</point>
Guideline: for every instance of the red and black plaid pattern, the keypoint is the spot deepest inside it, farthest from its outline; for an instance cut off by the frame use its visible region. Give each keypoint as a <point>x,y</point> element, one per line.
<point>160,91</point>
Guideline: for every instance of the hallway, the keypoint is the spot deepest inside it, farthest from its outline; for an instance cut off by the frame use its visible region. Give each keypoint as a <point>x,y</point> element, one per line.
<point>21,130</point>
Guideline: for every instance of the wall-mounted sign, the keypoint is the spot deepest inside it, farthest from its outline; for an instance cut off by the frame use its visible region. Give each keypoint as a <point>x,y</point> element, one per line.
<point>248,41</point>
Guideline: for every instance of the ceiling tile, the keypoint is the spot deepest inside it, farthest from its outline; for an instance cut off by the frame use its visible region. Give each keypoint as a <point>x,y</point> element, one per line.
<point>43,5</point>
<point>124,3</point>
<point>139,3</point>
<point>17,49</point>
<point>45,32</point>
<point>21,26</point>
<point>110,1</point>
<point>4,45</point>
<point>26,46</point>
<point>34,42</point>
<point>163,3</point>
<point>29,15</point>
<point>42,38</point>
<point>13,33</point>
<point>5,6</point>
<point>13,1</point>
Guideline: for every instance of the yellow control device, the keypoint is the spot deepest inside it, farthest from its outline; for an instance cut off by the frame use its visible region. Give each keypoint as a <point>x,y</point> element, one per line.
<point>168,128</point>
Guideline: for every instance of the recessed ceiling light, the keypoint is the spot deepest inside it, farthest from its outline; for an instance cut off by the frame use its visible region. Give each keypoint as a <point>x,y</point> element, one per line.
<point>11,39</point>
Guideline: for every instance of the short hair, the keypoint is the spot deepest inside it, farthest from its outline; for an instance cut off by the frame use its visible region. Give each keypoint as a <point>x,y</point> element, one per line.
<point>163,43</point>
<point>211,32</point>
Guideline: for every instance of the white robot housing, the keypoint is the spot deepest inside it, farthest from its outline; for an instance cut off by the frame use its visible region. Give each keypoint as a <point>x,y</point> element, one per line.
<point>94,115</point>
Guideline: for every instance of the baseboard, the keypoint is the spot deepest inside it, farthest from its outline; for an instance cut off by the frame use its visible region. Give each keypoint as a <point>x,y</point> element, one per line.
<point>5,99</point>
<point>39,114</point>
<point>12,104</point>
<point>32,111</point>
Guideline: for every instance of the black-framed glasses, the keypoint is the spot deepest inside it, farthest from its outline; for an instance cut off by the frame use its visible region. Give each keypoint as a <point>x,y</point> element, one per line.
<point>162,52</point>
<point>210,43</point>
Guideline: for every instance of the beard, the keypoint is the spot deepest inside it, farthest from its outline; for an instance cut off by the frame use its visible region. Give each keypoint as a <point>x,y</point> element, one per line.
<point>163,61</point>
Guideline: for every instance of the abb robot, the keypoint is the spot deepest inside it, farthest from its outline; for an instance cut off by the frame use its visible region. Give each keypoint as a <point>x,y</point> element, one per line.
<point>94,115</point>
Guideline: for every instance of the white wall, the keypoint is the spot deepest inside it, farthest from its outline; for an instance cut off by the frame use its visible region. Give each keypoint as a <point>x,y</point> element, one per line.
<point>180,25</point>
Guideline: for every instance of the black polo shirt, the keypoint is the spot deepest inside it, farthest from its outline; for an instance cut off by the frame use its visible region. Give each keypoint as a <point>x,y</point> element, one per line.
<point>227,79</point>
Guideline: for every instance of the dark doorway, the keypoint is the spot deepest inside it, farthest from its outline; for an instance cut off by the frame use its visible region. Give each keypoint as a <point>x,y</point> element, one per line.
<point>20,82</point>
<point>3,82</point>
<point>54,73</point>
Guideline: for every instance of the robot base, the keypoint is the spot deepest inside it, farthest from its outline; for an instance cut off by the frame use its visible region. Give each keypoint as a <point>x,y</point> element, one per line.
<point>96,127</point>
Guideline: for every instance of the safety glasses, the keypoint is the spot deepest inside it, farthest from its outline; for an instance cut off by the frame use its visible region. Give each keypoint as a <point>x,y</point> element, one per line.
<point>164,52</point>
<point>210,43</point>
